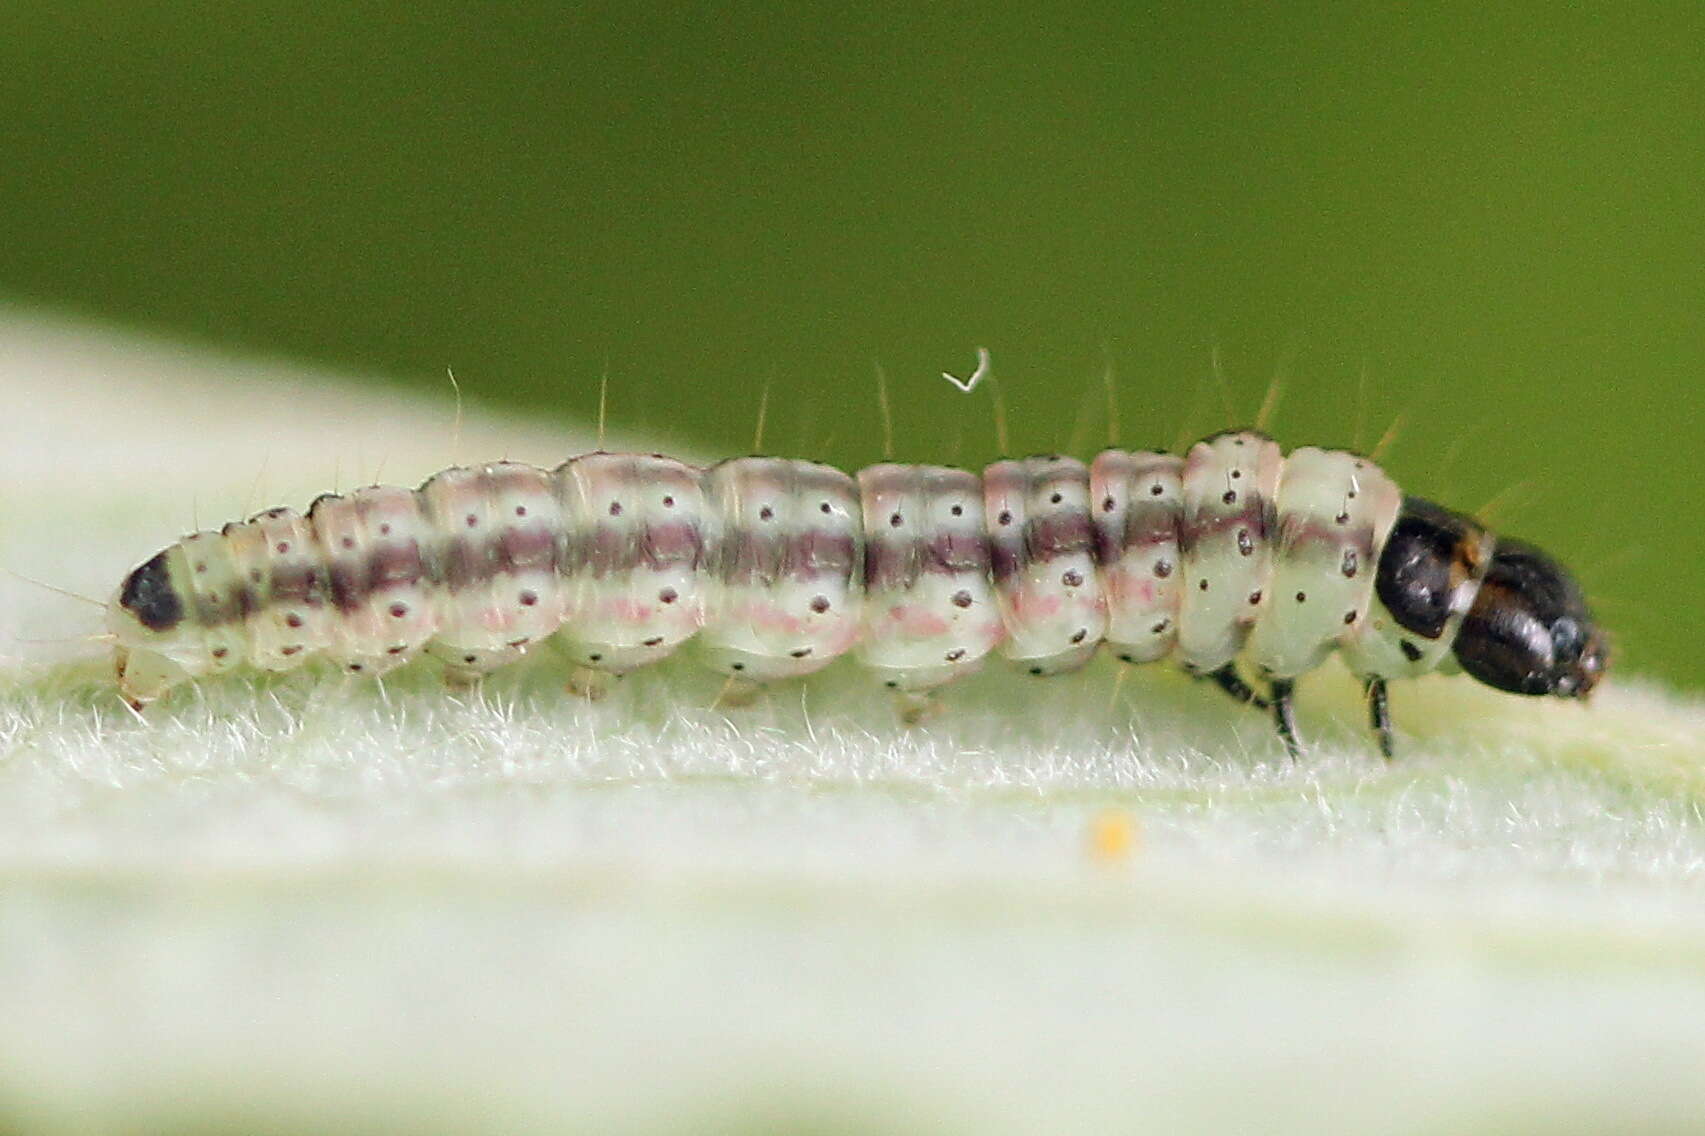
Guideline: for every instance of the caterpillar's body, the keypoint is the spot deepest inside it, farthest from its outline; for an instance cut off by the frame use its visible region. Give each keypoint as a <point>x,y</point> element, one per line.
<point>1233,553</point>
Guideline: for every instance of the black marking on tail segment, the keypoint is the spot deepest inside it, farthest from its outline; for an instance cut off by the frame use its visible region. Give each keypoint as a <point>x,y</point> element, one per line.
<point>148,595</point>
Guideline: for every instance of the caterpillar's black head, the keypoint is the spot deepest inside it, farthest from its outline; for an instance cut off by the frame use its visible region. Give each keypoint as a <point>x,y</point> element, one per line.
<point>1529,631</point>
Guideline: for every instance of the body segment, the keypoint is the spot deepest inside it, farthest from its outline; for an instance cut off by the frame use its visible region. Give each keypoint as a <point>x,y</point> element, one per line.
<point>1225,537</point>
<point>1334,510</point>
<point>929,610</point>
<point>1138,507</point>
<point>631,553</point>
<point>1042,562</point>
<point>787,569</point>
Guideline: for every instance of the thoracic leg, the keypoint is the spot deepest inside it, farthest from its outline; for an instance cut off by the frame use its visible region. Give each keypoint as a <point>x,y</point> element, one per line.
<point>1379,713</point>
<point>1228,680</point>
<point>1284,714</point>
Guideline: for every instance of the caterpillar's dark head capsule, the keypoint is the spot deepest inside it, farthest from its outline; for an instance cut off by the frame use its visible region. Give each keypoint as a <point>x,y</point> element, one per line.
<point>1529,630</point>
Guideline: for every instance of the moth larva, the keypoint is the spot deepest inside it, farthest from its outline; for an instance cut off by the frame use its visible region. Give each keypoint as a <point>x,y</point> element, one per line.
<point>1234,554</point>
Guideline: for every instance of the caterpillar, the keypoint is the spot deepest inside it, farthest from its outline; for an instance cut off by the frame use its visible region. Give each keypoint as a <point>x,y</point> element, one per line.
<point>1234,560</point>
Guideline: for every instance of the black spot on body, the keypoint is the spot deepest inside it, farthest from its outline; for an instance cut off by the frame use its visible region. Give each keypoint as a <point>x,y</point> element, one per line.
<point>1410,651</point>
<point>148,595</point>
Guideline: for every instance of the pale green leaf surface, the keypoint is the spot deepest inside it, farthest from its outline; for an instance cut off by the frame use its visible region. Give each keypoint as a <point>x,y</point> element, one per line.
<point>306,901</point>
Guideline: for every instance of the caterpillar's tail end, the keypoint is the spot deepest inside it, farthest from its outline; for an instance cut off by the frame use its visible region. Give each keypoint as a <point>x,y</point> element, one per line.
<point>144,676</point>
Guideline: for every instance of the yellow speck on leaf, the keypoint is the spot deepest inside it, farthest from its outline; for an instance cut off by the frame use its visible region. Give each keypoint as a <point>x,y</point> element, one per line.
<point>1113,835</point>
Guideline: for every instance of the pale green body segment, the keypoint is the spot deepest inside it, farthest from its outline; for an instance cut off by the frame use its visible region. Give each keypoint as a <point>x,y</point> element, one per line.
<point>783,598</point>
<point>634,591</point>
<point>1335,511</point>
<point>1138,499</point>
<point>1230,487</point>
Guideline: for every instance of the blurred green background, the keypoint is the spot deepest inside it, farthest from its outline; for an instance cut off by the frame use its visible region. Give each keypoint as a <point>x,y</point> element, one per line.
<point>1486,219</point>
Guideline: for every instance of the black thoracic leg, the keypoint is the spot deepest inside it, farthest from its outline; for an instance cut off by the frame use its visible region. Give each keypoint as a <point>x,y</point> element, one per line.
<point>1284,714</point>
<point>1228,680</point>
<point>1379,713</point>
